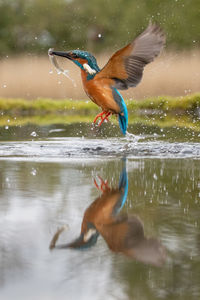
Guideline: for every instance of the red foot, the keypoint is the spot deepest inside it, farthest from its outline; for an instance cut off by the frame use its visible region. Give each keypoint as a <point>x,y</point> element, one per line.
<point>103,118</point>
<point>104,185</point>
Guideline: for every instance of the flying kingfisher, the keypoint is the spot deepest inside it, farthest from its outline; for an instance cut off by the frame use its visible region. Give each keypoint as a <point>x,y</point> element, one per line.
<point>123,233</point>
<point>123,70</point>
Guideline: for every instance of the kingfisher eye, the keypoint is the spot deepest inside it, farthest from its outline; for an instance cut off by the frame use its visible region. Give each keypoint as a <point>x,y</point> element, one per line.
<point>74,55</point>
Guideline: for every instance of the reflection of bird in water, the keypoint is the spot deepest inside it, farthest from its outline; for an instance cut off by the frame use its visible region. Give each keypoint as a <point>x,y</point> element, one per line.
<point>123,70</point>
<point>122,233</point>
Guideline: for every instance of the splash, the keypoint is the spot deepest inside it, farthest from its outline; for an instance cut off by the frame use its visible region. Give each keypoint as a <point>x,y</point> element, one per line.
<point>130,137</point>
<point>59,70</point>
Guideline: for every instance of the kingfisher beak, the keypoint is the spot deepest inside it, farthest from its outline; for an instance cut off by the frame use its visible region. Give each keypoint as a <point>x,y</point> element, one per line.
<point>60,53</point>
<point>85,240</point>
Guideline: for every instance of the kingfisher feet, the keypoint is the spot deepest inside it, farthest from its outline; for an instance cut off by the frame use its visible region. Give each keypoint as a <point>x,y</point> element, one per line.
<point>103,115</point>
<point>104,185</point>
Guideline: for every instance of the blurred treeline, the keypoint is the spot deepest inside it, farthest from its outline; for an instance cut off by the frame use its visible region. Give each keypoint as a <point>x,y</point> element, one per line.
<point>97,25</point>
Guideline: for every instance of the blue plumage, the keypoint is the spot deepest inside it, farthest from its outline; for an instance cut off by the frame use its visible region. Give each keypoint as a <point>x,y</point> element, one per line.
<point>123,184</point>
<point>123,116</point>
<point>123,70</point>
<point>89,57</point>
<point>123,187</point>
<point>87,62</point>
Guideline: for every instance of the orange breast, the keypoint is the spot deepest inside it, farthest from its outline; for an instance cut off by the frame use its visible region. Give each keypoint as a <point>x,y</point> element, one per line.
<point>100,92</point>
<point>100,211</point>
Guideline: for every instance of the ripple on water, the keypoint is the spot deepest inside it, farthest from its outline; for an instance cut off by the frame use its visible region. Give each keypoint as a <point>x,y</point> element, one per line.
<point>131,146</point>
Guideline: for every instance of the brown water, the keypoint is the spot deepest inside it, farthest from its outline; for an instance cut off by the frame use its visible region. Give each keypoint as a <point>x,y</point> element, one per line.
<point>48,181</point>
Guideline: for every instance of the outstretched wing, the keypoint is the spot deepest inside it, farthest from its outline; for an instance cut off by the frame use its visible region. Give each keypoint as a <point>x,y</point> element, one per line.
<point>126,66</point>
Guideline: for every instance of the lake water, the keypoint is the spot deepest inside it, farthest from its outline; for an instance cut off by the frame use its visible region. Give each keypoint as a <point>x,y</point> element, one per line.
<point>48,178</point>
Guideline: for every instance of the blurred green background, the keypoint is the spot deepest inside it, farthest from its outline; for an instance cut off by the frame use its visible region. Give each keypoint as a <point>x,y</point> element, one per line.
<point>28,28</point>
<point>36,25</point>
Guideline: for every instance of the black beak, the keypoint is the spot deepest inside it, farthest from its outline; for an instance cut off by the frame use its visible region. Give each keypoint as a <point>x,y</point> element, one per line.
<point>60,53</point>
<point>83,242</point>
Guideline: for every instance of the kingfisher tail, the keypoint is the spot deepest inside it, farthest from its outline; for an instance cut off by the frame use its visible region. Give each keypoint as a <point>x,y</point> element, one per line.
<point>123,118</point>
<point>123,122</point>
<point>123,115</point>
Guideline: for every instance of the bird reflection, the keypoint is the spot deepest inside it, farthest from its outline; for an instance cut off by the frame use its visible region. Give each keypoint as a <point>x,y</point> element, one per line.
<point>123,233</point>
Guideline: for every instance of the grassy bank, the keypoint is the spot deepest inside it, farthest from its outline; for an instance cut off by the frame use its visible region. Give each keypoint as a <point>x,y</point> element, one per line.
<point>155,106</point>
<point>162,112</point>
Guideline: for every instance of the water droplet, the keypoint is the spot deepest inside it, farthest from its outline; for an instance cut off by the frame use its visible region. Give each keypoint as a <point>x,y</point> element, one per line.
<point>6,127</point>
<point>155,176</point>
<point>33,133</point>
<point>65,72</point>
<point>34,172</point>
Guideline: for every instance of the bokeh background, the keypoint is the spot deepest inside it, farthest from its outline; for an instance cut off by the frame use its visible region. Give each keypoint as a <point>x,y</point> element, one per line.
<point>28,28</point>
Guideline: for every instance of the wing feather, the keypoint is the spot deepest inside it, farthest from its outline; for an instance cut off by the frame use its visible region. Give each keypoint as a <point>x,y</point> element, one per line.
<point>127,64</point>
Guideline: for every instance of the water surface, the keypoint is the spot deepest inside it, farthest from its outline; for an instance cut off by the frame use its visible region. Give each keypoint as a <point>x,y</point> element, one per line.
<point>47,180</point>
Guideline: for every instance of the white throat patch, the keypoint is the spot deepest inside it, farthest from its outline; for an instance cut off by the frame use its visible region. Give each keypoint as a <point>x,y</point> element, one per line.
<point>89,234</point>
<point>88,69</point>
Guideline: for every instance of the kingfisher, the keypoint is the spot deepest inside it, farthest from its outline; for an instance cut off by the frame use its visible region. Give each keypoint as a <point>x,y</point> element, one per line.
<point>101,212</point>
<point>123,233</point>
<point>123,70</point>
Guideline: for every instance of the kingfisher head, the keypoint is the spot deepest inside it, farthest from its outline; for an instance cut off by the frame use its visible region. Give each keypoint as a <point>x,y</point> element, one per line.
<point>82,59</point>
<point>87,238</point>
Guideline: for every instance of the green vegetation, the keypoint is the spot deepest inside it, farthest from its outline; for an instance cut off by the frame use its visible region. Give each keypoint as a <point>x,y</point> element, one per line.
<point>157,106</point>
<point>34,26</point>
<point>178,105</point>
<point>162,112</point>
<point>44,106</point>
